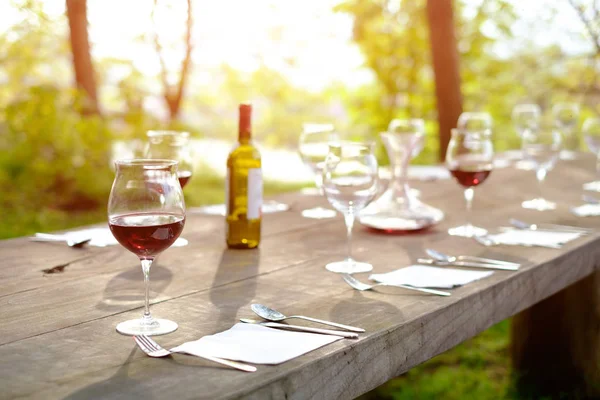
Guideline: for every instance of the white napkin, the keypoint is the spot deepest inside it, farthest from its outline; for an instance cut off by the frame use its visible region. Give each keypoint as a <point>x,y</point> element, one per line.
<point>268,207</point>
<point>101,237</point>
<point>256,344</point>
<point>423,277</point>
<point>525,237</point>
<point>587,210</point>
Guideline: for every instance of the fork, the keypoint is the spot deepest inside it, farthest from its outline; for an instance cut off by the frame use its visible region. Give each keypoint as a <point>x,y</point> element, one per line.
<point>358,285</point>
<point>153,349</point>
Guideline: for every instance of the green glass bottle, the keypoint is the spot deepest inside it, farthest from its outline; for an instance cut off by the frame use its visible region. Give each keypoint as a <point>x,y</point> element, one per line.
<point>243,188</point>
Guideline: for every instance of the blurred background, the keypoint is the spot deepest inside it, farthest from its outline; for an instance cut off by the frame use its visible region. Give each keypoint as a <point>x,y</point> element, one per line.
<point>81,83</point>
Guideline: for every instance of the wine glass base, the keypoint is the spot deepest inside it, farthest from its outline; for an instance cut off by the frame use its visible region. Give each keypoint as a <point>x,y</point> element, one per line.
<point>568,155</point>
<point>349,267</point>
<point>468,231</point>
<point>539,205</point>
<point>318,213</point>
<point>136,327</point>
<point>525,165</point>
<point>592,186</point>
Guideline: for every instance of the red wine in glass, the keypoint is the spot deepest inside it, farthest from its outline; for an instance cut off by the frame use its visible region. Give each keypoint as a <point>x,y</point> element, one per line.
<point>146,234</point>
<point>184,177</point>
<point>471,175</point>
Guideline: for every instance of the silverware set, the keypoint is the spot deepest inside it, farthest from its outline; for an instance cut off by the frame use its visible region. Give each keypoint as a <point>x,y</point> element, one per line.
<point>153,349</point>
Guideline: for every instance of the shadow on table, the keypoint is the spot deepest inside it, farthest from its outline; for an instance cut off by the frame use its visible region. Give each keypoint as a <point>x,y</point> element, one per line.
<point>121,382</point>
<point>231,289</point>
<point>350,310</point>
<point>127,288</point>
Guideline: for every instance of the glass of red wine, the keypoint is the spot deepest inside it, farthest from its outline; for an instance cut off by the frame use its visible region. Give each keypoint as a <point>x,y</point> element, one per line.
<point>172,145</point>
<point>146,214</point>
<point>470,159</point>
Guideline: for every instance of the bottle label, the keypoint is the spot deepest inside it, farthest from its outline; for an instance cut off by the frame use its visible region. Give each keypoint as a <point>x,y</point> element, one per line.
<point>255,193</point>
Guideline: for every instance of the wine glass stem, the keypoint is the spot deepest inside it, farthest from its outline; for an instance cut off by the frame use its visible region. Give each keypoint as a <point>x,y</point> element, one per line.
<point>146,264</point>
<point>469,194</point>
<point>349,219</point>
<point>540,174</point>
<point>598,165</point>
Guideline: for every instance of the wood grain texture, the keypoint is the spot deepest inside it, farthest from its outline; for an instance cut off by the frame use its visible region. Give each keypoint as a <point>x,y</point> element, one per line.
<point>58,336</point>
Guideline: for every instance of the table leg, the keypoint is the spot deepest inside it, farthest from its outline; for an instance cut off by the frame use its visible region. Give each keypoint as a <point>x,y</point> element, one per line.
<point>555,344</point>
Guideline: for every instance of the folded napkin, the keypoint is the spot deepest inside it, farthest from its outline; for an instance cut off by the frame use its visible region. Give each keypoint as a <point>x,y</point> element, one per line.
<point>432,277</point>
<point>101,237</point>
<point>256,344</point>
<point>268,207</point>
<point>525,237</point>
<point>587,210</point>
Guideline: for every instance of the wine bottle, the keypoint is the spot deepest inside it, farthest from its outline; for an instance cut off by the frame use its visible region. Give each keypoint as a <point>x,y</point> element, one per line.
<point>243,188</point>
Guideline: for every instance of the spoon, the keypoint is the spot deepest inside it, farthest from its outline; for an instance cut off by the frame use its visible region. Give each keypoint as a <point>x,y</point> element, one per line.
<point>439,256</point>
<point>358,285</point>
<point>273,315</point>
<point>75,243</point>
<point>348,335</point>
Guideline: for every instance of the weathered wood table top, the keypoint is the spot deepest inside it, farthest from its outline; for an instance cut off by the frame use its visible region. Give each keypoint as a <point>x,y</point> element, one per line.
<point>57,331</point>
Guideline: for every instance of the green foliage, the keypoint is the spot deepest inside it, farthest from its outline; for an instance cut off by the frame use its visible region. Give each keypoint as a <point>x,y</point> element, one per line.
<point>476,369</point>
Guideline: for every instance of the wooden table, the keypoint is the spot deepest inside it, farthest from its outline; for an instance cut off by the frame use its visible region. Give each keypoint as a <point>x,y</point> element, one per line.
<point>58,338</point>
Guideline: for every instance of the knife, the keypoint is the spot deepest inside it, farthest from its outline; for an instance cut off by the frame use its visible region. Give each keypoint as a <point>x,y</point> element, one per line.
<point>466,264</point>
<point>348,335</point>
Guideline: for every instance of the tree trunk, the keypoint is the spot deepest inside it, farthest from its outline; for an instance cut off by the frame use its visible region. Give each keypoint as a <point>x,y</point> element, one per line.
<point>173,95</point>
<point>82,60</point>
<point>555,344</point>
<point>445,59</point>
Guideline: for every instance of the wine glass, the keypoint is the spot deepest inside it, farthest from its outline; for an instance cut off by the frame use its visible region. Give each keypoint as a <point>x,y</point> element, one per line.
<point>542,149</point>
<point>526,118</point>
<point>566,118</point>
<point>172,145</point>
<point>474,122</point>
<point>591,136</point>
<point>350,180</point>
<point>470,159</point>
<point>313,147</point>
<point>146,214</point>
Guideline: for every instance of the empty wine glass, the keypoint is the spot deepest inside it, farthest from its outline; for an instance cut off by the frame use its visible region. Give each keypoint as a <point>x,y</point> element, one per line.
<point>526,118</point>
<point>591,136</point>
<point>172,145</point>
<point>146,214</point>
<point>542,149</point>
<point>350,180</point>
<point>566,118</point>
<point>470,159</point>
<point>313,147</point>
<point>474,122</point>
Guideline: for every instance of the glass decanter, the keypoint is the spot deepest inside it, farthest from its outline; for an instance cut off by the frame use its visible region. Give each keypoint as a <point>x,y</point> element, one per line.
<point>398,208</point>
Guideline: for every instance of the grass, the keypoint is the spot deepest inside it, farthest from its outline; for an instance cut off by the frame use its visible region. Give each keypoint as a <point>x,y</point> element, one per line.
<point>479,369</point>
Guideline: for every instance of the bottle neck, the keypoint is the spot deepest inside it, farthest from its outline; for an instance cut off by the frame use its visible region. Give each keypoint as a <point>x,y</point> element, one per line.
<point>245,123</point>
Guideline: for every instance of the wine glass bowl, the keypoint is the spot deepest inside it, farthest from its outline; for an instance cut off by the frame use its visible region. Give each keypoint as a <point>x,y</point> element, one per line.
<point>350,179</point>
<point>566,119</point>
<point>542,149</point>
<point>146,214</point>
<point>172,145</point>
<point>313,147</point>
<point>474,122</point>
<point>470,160</point>
<point>526,117</point>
